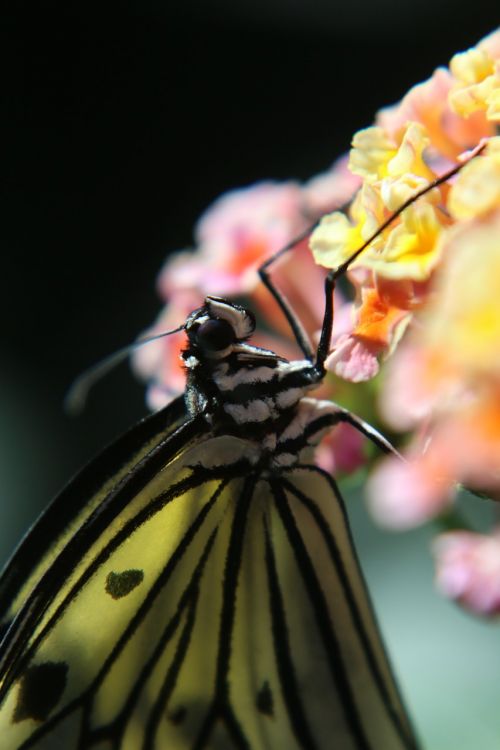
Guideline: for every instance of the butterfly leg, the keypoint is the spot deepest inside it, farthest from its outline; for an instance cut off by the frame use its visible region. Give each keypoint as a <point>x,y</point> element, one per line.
<point>296,327</point>
<point>366,429</point>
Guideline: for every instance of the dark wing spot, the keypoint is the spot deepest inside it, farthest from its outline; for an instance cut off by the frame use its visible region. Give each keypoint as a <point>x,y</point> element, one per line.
<point>265,700</point>
<point>41,688</point>
<point>121,584</point>
<point>178,716</point>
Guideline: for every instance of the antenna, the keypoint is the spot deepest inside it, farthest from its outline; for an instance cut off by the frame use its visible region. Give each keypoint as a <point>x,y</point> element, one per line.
<point>75,399</point>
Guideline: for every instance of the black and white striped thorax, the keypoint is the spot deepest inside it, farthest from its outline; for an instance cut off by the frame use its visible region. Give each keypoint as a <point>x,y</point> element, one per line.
<point>250,392</point>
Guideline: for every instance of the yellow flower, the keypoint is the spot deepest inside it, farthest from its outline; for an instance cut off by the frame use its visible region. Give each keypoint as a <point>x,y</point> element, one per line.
<point>493,111</point>
<point>337,238</point>
<point>462,323</point>
<point>413,249</point>
<point>393,172</point>
<point>334,240</point>
<point>471,67</point>
<point>371,152</point>
<point>409,157</point>
<point>395,192</point>
<point>375,156</point>
<point>477,189</point>
<point>407,172</point>
<point>477,84</point>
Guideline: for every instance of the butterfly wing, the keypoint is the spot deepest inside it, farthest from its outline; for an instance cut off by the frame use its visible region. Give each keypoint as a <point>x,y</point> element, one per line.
<point>75,503</point>
<point>335,682</point>
<point>200,606</point>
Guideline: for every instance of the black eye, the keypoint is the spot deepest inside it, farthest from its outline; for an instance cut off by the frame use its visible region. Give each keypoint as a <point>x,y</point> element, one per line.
<point>215,335</point>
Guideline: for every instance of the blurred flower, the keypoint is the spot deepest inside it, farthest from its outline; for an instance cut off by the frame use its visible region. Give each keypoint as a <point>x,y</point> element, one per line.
<point>331,189</point>
<point>393,170</point>
<point>235,235</point>
<point>433,275</point>
<point>353,360</point>
<point>341,451</point>
<point>449,134</point>
<point>401,494</point>
<point>468,570</point>
<point>445,381</point>
<point>477,82</point>
<point>376,325</point>
<point>427,295</point>
<point>477,188</point>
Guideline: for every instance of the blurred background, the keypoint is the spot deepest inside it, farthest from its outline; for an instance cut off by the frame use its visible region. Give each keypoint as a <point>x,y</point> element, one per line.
<point>119,127</point>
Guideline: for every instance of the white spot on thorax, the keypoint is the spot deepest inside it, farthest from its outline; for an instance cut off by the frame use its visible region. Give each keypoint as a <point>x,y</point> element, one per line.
<point>191,362</point>
<point>223,450</point>
<point>246,375</point>
<point>288,398</point>
<point>255,411</point>
<point>269,442</point>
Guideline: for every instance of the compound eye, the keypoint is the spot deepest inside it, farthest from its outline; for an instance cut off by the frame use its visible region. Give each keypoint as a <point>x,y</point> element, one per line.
<point>215,335</point>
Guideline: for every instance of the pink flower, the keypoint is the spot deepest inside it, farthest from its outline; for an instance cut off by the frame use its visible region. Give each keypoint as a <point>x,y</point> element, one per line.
<point>444,381</point>
<point>341,451</point>
<point>468,441</point>
<point>468,570</point>
<point>353,360</point>
<point>457,442</point>
<point>233,237</point>
<point>377,326</point>
<point>427,103</point>
<point>404,494</point>
<point>414,387</point>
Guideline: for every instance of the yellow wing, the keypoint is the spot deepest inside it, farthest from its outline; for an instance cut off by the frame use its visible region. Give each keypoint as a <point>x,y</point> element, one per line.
<point>75,505</point>
<point>216,608</point>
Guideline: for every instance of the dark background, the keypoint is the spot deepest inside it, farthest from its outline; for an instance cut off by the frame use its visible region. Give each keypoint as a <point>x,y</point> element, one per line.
<point>119,126</point>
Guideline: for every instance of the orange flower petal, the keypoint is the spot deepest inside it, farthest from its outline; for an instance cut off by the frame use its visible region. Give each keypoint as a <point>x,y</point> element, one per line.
<point>377,319</point>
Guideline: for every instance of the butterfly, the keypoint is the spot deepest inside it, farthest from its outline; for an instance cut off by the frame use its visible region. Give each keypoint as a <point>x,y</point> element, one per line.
<point>196,585</point>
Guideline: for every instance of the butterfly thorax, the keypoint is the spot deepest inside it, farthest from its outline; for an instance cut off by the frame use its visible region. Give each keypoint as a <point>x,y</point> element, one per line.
<point>249,392</point>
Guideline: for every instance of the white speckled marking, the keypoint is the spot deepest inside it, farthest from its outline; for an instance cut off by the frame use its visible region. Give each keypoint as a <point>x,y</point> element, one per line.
<point>255,411</point>
<point>289,397</point>
<point>254,375</point>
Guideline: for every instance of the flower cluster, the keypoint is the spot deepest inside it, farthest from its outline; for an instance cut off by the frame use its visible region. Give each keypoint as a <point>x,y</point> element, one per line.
<point>434,274</point>
<point>426,298</point>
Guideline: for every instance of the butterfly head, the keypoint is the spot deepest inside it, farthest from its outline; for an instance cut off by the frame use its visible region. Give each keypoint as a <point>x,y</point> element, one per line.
<point>218,328</point>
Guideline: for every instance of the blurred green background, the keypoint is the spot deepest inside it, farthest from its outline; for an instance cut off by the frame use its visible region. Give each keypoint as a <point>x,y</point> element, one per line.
<point>119,126</point>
